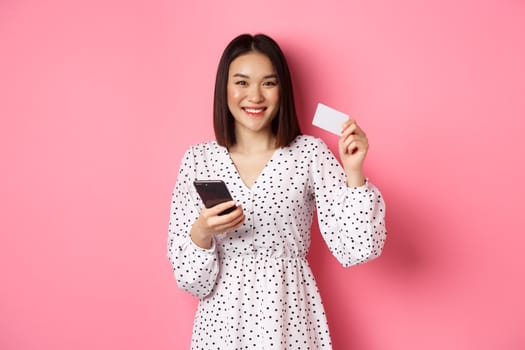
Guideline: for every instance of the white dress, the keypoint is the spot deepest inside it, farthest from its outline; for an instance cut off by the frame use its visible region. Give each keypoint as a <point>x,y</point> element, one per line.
<point>255,286</point>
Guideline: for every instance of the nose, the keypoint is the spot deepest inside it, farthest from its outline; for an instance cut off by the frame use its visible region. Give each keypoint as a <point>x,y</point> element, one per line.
<point>255,95</point>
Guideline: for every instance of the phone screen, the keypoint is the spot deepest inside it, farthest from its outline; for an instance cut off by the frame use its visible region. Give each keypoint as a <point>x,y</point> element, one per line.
<point>213,192</point>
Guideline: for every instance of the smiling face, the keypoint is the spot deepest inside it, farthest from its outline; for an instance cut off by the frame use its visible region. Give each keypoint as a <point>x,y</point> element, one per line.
<point>253,92</point>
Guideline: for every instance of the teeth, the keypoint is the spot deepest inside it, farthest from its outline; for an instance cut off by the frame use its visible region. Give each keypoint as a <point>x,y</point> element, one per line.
<point>254,110</point>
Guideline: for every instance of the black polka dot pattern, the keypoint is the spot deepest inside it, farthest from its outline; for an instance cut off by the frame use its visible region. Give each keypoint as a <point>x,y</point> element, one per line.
<point>255,286</point>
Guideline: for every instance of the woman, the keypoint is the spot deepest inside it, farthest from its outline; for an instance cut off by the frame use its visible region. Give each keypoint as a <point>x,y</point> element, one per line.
<point>249,267</point>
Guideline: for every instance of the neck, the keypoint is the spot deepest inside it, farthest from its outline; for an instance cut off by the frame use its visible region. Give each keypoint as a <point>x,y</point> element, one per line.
<point>254,142</point>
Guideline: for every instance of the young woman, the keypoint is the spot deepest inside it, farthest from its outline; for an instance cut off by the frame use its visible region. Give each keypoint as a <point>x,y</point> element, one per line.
<point>249,267</point>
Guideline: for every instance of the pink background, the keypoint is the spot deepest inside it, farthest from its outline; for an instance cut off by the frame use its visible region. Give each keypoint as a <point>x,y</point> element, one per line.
<point>99,99</point>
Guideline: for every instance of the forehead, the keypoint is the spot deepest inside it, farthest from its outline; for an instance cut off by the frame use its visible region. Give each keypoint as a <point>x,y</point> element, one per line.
<point>252,64</point>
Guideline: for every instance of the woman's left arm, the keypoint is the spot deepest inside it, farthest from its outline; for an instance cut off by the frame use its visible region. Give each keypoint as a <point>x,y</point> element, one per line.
<point>351,210</point>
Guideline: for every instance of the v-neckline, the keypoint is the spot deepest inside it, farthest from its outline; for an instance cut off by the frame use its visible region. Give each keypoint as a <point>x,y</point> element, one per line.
<point>261,173</point>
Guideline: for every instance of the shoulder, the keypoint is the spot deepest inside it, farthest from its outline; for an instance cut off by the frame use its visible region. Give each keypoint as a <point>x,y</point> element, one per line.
<point>203,148</point>
<point>308,143</point>
<point>205,145</point>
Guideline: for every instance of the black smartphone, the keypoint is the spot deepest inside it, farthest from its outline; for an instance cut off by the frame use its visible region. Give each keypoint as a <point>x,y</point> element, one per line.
<point>213,192</point>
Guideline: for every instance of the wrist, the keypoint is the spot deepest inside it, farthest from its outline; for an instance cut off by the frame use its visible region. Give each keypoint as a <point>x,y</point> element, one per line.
<point>355,179</point>
<point>201,240</point>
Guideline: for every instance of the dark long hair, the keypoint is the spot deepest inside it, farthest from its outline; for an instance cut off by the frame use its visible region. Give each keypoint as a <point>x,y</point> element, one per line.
<point>285,125</point>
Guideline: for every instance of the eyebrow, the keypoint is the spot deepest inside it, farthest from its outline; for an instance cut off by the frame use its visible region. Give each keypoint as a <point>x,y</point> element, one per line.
<point>240,75</point>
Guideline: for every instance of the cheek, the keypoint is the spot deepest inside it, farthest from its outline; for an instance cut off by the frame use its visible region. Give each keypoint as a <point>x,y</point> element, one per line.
<point>274,97</point>
<point>233,94</point>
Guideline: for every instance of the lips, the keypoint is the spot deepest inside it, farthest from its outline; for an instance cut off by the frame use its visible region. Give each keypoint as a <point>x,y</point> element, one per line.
<point>254,111</point>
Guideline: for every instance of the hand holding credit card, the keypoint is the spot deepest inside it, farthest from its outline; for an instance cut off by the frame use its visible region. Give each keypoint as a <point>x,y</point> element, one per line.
<point>329,119</point>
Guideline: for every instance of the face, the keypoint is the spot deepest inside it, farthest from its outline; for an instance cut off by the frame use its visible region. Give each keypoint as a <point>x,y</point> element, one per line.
<point>253,92</point>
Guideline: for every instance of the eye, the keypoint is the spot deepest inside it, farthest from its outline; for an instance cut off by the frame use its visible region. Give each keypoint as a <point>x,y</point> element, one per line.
<point>270,83</point>
<point>241,82</point>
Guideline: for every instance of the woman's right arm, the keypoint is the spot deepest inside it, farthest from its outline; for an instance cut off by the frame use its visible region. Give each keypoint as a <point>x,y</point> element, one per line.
<point>195,268</point>
<point>191,244</point>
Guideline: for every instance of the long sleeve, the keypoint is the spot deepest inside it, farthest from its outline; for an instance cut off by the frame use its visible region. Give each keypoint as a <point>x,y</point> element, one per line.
<point>351,220</point>
<point>195,268</point>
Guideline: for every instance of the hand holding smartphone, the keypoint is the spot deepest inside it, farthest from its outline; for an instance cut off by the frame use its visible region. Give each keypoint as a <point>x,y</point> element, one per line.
<point>213,192</point>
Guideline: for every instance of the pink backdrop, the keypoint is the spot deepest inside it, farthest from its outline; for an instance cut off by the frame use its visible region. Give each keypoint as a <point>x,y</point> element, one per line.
<point>100,98</point>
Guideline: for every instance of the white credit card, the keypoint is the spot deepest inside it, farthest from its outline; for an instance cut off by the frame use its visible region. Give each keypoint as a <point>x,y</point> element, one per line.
<point>329,119</point>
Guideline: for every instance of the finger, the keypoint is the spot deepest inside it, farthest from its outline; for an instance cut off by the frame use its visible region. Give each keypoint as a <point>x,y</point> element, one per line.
<point>362,141</point>
<point>230,225</point>
<point>233,215</point>
<point>350,130</point>
<point>219,208</point>
<point>353,129</point>
<point>346,125</point>
<point>225,219</point>
<point>238,223</point>
<point>349,147</point>
<point>355,145</point>
<point>345,140</point>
